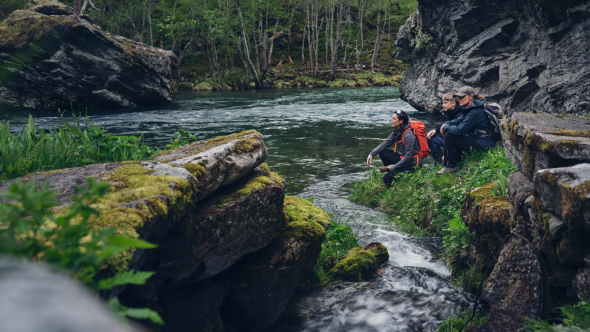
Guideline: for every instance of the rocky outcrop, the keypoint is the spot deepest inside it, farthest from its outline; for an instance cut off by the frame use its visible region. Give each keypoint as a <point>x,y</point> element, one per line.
<point>231,247</point>
<point>49,59</point>
<point>528,55</point>
<point>36,299</point>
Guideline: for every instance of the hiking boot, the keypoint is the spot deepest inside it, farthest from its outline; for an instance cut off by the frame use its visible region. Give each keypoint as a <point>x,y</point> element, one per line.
<point>447,170</point>
<point>383,169</point>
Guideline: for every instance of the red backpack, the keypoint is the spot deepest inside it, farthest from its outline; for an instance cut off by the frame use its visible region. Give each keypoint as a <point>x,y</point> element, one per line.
<point>420,132</point>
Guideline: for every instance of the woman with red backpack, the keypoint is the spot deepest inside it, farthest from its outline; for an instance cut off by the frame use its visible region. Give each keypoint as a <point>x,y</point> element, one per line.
<point>409,138</point>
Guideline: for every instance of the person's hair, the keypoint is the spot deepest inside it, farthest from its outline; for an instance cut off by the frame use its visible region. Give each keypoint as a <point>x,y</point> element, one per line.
<point>403,116</point>
<point>449,96</point>
<point>479,97</point>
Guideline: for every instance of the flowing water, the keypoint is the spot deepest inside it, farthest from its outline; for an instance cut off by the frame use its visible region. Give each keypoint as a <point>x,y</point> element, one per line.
<point>318,140</point>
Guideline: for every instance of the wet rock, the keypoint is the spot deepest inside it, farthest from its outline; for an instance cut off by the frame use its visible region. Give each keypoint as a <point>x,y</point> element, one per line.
<point>195,309</point>
<point>262,283</point>
<point>489,217</point>
<point>379,252</point>
<point>360,263</point>
<point>510,51</point>
<point>218,161</point>
<point>539,141</point>
<point>581,282</point>
<point>36,299</point>
<point>514,290</point>
<point>49,58</point>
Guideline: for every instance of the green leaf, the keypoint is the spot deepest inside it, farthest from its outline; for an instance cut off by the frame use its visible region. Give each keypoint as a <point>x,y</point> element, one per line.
<point>122,241</point>
<point>122,278</point>
<point>143,313</point>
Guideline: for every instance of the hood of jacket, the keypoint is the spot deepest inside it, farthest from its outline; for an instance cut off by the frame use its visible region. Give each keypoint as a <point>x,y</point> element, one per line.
<point>475,104</point>
<point>454,113</point>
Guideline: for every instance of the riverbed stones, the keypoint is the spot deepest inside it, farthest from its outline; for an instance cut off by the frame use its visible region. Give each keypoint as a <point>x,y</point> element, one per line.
<point>37,299</point>
<point>51,59</point>
<point>539,141</point>
<point>510,51</point>
<point>514,290</point>
<point>218,161</point>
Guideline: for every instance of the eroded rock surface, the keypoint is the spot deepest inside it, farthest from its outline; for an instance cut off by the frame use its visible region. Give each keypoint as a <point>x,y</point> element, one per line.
<point>36,299</point>
<point>49,58</point>
<point>539,141</point>
<point>527,55</point>
<point>514,289</point>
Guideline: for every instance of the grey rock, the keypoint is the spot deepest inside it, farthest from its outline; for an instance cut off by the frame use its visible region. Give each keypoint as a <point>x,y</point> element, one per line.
<point>36,299</point>
<point>520,188</point>
<point>565,193</point>
<point>539,141</point>
<point>49,59</point>
<point>514,289</point>
<point>512,52</point>
<point>581,282</point>
<point>556,224</point>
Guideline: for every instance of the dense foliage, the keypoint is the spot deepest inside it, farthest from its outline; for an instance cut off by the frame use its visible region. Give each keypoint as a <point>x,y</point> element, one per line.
<point>68,145</point>
<point>576,317</point>
<point>66,240</point>
<point>212,38</point>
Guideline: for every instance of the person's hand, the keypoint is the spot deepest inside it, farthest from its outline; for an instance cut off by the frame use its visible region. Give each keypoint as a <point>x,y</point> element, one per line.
<point>442,130</point>
<point>430,133</point>
<point>369,160</point>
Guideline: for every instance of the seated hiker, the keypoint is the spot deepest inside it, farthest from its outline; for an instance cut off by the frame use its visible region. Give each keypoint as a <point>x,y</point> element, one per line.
<point>436,140</point>
<point>468,132</point>
<point>404,141</point>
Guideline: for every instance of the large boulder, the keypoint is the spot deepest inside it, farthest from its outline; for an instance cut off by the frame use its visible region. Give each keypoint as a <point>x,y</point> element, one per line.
<point>262,283</point>
<point>514,289</point>
<point>36,299</point>
<point>511,51</point>
<point>49,59</point>
<point>539,141</point>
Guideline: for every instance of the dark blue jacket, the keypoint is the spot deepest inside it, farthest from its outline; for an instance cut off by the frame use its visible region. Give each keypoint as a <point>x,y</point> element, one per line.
<point>474,122</point>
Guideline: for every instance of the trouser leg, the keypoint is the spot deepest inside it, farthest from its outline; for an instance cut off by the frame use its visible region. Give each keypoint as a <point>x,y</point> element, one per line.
<point>455,146</point>
<point>435,145</point>
<point>391,158</point>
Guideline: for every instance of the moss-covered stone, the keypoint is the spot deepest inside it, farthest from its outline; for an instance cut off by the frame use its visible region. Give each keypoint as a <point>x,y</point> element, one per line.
<point>304,220</point>
<point>378,251</point>
<point>357,264</point>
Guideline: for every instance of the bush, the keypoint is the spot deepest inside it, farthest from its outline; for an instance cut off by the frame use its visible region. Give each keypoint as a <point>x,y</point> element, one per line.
<point>66,240</point>
<point>456,321</point>
<point>576,318</point>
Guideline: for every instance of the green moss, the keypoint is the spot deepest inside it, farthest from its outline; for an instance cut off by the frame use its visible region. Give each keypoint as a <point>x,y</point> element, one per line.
<point>571,143</point>
<point>246,145</point>
<point>572,133</point>
<point>197,170</point>
<point>379,252</point>
<point>256,183</point>
<point>356,264</point>
<point>264,167</point>
<point>204,145</point>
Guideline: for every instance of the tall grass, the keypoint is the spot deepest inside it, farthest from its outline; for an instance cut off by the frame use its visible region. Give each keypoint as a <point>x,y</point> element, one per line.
<point>67,145</point>
<point>570,318</point>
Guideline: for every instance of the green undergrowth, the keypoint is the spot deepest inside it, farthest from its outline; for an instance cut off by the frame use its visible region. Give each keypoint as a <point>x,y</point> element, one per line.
<point>423,203</point>
<point>340,238</point>
<point>69,242</point>
<point>456,321</point>
<point>68,145</point>
<point>569,318</point>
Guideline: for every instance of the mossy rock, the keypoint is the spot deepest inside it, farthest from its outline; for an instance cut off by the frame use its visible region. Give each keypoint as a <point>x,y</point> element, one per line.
<point>379,251</point>
<point>357,264</point>
<point>483,212</point>
<point>304,220</point>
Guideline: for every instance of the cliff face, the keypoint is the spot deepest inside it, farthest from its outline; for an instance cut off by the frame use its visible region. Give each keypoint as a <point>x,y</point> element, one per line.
<point>527,55</point>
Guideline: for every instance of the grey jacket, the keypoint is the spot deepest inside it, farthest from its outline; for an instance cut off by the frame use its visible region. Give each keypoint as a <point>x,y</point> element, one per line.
<point>406,150</point>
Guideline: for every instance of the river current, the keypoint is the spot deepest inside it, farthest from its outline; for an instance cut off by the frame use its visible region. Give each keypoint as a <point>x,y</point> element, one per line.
<point>318,140</point>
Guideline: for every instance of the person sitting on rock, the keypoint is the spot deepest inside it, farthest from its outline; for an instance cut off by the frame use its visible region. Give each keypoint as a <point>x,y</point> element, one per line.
<point>436,140</point>
<point>468,132</point>
<point>395,162</point>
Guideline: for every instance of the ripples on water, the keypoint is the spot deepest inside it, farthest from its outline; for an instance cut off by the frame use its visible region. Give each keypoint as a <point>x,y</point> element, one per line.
<point>318,140</point>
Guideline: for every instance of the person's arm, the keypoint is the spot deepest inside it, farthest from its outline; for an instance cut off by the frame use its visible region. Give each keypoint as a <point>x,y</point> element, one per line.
<point>386,143</point>
<point>469,122</point>
<point>454,122</point>
<point>411,145</point>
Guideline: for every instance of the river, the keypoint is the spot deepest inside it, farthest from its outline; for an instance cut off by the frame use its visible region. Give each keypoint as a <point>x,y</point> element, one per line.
<point>318,140</point>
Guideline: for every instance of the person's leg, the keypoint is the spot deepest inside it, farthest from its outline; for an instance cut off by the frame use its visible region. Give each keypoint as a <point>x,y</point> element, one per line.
<point>456,145</point>
<point>435,144</point>
<point>389,157</point>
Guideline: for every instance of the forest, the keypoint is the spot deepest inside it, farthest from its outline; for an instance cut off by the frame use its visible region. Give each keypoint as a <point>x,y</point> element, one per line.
<point>243,39</point>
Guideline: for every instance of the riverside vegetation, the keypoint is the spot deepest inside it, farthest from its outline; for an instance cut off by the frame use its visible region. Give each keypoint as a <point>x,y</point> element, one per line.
<point>251,43</point>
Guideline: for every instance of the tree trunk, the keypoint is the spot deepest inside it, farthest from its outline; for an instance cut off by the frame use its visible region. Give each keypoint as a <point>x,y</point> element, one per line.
<point>247,51</point>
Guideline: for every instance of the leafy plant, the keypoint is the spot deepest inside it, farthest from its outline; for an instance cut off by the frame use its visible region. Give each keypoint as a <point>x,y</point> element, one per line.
<point>576,317</point>
<point>422,39</point>
<point>340,238</point>
<point>501,186</point>
<point>180,138</point>
<point>66,240</point>
<point>457,237</point>
<point>456,321</point>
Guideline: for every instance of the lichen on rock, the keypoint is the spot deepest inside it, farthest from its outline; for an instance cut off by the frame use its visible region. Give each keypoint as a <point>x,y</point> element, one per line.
<point>303,219</point>
<point>359,263</point>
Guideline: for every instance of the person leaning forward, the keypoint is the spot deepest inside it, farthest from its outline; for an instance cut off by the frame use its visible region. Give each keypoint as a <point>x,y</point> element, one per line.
<point>468,132</point>
<point>402,158</point>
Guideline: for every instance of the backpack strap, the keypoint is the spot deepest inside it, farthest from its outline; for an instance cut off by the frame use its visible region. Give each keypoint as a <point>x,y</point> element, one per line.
<point>403,134</point>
